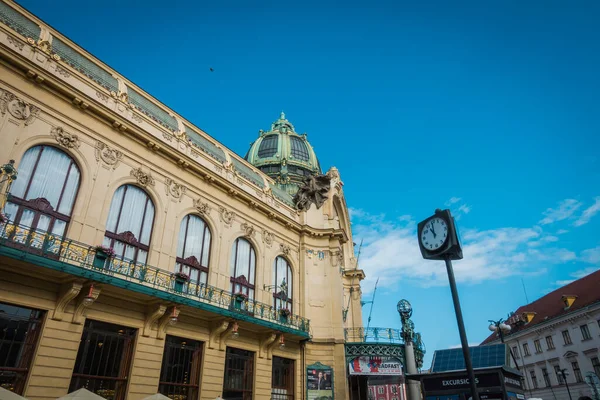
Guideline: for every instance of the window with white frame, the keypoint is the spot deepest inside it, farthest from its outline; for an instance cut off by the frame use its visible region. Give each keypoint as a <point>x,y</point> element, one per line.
<point>282,280</point>
<point>243,267</point>
<point>193,249</point>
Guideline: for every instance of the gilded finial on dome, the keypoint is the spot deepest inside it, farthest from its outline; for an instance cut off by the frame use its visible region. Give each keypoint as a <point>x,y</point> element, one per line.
<point>282,115</point>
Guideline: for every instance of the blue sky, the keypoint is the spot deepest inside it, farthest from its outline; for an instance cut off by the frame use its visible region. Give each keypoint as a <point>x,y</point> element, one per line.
<point>489,109</point>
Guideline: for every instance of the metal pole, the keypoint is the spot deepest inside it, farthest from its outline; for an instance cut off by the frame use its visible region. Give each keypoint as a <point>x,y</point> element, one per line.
<point>566,383</point>
<point>461,330</point>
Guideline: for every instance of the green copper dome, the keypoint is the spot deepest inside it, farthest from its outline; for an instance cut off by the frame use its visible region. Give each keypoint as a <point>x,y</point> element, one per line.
<point>284,155</point>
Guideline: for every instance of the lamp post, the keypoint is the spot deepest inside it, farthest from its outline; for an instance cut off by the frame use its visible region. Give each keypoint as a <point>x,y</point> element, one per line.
<point>408,333</point>
<point>564,374</point>
<point>501,328</point>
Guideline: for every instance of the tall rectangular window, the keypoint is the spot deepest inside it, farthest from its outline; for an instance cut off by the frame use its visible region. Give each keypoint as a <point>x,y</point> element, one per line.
<point>282,379</point>
<point>526,349</point>
<point>239,374</point>
<point>103,359</point>
<point>180,371</point>
<point>546,377</point>
<point>515,351</point>
<point>538,345</point>
<point>533,379</point>
<point>19,332</point>
<point>577,371</point>
<point>559,375</point>
<point>550,342</point>
<point>596,365</point>
<point>585,332</point>
<point>566,337</point>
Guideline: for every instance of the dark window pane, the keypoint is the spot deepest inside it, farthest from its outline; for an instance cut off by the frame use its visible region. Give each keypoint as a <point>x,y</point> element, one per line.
<point>282,379</point>
<point>268,146</point>
<point>180,372</point>
<point>103,359</point>
<point>299,149</point>
<point>239,374</point>
<point>19,333</point>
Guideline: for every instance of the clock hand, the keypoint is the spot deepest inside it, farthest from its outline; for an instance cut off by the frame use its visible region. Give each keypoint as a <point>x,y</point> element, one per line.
<point>433,231</point>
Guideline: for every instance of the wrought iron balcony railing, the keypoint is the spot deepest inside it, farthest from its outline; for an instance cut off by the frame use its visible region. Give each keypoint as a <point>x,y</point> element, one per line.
<point>80,259</point>
<point>373,335</point>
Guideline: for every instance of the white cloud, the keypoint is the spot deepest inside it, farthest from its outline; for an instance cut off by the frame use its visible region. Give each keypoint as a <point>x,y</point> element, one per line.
<point>588,213</point>
<point>464,209</point>
<point>566,209</point>
<point>542,241</point>
<point>561,231</point>
<point>391,252</point>
<point>575,275</point>
<point>591,256</point>
<point>452,200</point>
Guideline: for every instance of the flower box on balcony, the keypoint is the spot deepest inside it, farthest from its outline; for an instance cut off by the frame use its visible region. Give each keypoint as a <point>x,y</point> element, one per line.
<point>179,281</point>
<point>239,301</point>
<point>102,254</point>
<point>284,315</point>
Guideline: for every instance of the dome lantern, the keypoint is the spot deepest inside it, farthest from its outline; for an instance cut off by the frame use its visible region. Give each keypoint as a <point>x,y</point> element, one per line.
<point>284,155</point>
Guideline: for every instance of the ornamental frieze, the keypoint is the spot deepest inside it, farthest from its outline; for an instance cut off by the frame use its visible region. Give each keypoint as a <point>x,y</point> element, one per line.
<point>201,207</point>
<point>248,229</point>
<point>226,215</point>
<point>17,107</point>
<point>267,238</point>
<point>65,139</point>
<point>109,156</point>
<point>142,178</point>
<point>174,189</point>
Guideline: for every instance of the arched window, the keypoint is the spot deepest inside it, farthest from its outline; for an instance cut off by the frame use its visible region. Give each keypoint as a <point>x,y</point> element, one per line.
<point>282,279</point>
<point>129,225</point>
<point>243,267</point>
<point>193,249</point>
<point>43,195</point>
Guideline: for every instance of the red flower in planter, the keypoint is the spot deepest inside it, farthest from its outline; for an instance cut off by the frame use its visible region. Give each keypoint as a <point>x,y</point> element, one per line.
<point>106,250</point>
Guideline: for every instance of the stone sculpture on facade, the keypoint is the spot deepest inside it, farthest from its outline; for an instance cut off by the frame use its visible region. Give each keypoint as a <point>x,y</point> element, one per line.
<point>314,190</point>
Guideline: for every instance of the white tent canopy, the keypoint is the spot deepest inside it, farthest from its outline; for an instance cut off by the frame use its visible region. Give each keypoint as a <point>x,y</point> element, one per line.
<point>82,394</point>
<point>8,395</point>
<point>157,396</point>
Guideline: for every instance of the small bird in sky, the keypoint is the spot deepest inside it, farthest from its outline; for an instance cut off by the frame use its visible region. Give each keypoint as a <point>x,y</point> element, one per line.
<point>211,70</point>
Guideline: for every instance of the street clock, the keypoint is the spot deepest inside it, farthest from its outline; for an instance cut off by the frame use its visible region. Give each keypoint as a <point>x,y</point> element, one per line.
<point>438,238</point>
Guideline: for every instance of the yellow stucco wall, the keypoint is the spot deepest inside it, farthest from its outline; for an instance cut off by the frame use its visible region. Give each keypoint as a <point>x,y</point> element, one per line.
<point>317,243</point>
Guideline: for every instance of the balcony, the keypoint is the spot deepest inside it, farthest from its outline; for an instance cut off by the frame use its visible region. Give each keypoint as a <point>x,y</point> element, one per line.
<point>374,342</point>
<point>79,259</point>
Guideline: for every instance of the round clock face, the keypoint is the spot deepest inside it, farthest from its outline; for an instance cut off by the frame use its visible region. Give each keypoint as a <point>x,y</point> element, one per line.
<point>434,234</point>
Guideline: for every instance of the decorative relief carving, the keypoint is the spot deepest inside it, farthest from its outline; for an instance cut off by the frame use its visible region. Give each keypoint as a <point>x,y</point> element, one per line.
<point>17,107</point>
<point>267,238</point>
<point>337,258</point>
<point>320,254</point>
<point>201,207</point>
<point>314,190</point>
<point>108,155</point>
<point>136,118</point>
<point>174,189</point>
<point>63,72</point>
<point>15,42</point>
<point>102,96</point>
<point>285,249</point>
<point>226,215</point>
<point>65,139</point>
<point>167,136</point>
<point>142,178</point>
<point>248,229</point>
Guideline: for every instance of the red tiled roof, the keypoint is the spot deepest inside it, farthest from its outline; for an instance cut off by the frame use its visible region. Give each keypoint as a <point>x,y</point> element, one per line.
<point>587,290</point>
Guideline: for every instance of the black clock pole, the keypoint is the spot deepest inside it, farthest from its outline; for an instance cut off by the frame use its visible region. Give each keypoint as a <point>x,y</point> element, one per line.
<point>461,329</point>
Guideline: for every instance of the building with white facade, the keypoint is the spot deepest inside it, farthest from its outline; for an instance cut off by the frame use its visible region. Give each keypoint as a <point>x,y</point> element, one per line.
<point>560,332</point>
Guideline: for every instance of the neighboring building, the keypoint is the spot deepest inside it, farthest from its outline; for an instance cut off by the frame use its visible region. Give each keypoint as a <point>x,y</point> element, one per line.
<point>560,331</point>
<point>222,283</point>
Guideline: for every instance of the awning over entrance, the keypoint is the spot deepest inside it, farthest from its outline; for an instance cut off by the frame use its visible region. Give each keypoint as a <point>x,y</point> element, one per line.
<point>8,395</point>
<point>81,394</point>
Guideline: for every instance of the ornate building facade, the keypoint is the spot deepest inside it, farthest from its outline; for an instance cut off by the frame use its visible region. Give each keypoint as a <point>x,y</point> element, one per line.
<point>139,255</point>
